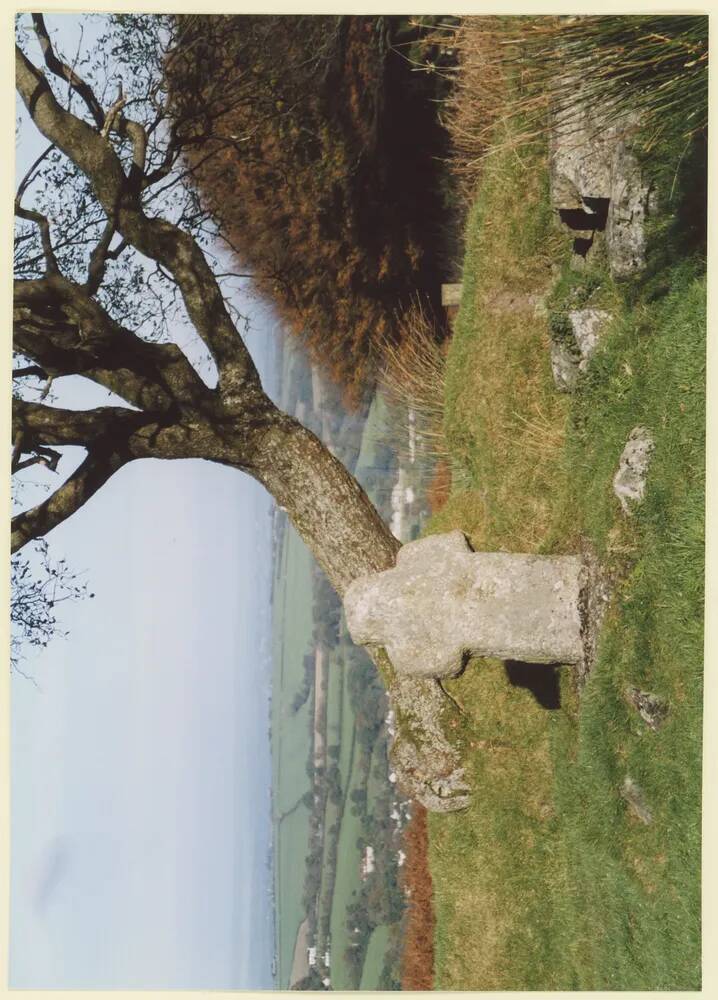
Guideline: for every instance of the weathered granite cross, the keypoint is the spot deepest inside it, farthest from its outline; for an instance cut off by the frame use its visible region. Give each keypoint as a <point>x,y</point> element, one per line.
<point>443,601</point>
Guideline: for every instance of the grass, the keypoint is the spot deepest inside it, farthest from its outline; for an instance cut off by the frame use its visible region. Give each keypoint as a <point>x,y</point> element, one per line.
<point>644,879</point>
<point>504,422</point>
<point>290,740</point>
<point>559,885</point>
<point>513,69</point>
<point>374,961</point>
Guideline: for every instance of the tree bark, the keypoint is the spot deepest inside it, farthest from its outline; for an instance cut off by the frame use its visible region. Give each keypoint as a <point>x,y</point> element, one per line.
<point>324,502</point>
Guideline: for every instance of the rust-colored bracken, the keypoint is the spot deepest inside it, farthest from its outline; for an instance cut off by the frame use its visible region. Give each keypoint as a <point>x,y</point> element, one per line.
<point>315,143</point>
<point>417,963</point>
<point>439,488</point>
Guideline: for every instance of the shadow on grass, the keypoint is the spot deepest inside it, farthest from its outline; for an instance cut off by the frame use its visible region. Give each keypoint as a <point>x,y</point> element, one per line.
<point>541,679</point>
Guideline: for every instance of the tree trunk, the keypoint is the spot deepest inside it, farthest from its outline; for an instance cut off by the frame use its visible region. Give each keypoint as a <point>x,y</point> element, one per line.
<point>325,503</point>
<point>349,539</point>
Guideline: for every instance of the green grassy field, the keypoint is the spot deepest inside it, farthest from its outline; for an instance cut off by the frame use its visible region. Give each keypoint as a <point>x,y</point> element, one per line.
<point>374,961</point>
<point>292,639</point>
<point>549,881</point>
<point>292,629</point>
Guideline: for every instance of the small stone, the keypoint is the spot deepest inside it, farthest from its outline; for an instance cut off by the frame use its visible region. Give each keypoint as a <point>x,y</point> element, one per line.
<point>629,483</point>
<point>652,709</point>
<point>635,799</point>
<point>564,367</point>
<point>572,351</point>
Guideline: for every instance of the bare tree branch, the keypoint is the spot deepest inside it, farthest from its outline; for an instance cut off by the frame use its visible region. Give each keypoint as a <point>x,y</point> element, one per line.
<point>65,72</point>
<point>67,332</point>
<point>40,424</point>
<point>27,179</point>
<point>112,115</point>
<point>127,128</point>
<point>99,257</point>
<point>157,238</point>
<point>77,490</point>
<point>44,226</point>
<point>27,370</point>
<point>42,456</point>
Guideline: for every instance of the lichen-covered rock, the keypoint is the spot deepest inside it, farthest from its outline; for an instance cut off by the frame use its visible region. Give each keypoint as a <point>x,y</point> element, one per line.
<point>428,768</point>
<point>632,200</point>
<point>629,483</point>
<point>443,602</point>
<point>580,154</point>
<point>635,798</point>
<point>652,709</point>
<point>564,366</point>
<point>587,326</point>
<point>570,354</point>
<point>597,183</point>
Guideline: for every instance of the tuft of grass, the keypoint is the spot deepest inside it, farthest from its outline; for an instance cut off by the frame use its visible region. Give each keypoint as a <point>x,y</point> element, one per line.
<point>521,71</point>
<point>413,381</point>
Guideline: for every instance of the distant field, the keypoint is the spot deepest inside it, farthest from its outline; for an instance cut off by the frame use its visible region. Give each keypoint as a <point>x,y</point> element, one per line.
<point>292,630</point>
<point>347,880</point>
<point>374,961</point>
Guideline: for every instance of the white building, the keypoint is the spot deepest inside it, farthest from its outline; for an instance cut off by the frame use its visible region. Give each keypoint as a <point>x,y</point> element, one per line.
<point>367,861</point>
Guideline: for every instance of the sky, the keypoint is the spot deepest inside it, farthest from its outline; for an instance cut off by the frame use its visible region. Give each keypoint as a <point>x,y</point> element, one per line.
<point>140,767</point>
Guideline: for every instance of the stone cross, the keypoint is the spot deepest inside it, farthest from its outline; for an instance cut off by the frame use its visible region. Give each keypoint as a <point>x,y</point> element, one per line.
<point>443,601</point>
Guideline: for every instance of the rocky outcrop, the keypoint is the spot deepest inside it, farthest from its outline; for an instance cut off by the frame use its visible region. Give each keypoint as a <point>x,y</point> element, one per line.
<point>427,765</point>
<point>629,483</point>
<point>574,343</point>
<point>597,184</point>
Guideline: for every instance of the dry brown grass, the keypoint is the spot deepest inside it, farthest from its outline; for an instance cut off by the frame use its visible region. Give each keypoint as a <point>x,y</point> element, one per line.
<point>439,488</point>
<point>481,108</point>
<point>515,72</point>
<point>414,382</point>
<point>413,375</point>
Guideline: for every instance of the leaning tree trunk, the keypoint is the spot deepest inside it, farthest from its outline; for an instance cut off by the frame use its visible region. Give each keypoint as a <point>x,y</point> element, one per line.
<point>324,502</point>
<point>350,541</point>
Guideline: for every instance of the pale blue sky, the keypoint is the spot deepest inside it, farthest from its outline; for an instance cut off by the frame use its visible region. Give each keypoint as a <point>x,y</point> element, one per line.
<point>140,762</point>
